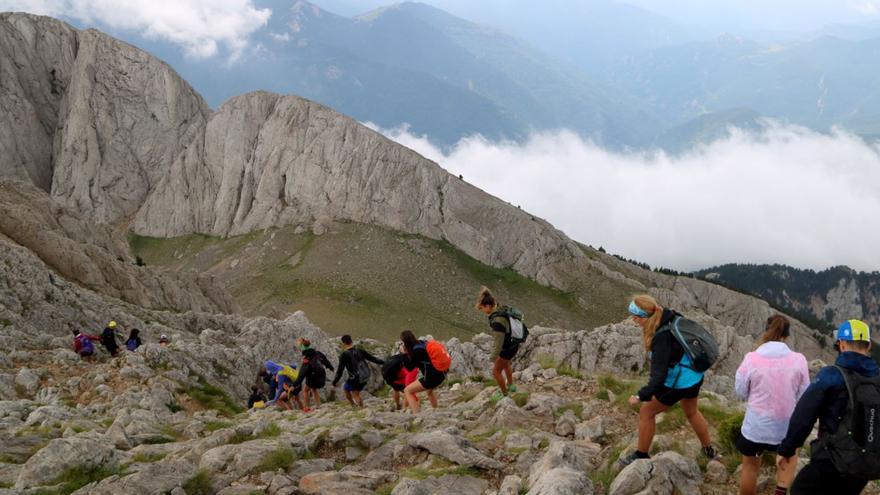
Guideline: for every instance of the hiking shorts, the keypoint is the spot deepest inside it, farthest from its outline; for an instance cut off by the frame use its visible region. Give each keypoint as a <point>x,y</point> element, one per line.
<point>432,378</point>
<point>316,382</point>
<point>671,396</point>
<point>749,448</point>
<point>398,386</point>
<point>85,353</point>
<point>509,352</point>
<point>353,386</point>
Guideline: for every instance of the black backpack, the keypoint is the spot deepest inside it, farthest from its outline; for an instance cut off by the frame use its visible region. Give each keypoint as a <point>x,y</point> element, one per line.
<point>392,367</point>
<point>699,345</point>
<point>855,447</point>
<point>361,368</point>
<point>517,331</point>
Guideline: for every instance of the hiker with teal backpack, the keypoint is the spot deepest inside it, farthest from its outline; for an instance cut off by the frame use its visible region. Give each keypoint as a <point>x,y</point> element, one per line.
<point>354,361</point>
<point>509,332</point>
<point>680,352</point>
<point>845,398</point>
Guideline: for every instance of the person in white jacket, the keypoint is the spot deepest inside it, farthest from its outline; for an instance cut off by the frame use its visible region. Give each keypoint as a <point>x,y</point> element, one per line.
<point>771,379</point>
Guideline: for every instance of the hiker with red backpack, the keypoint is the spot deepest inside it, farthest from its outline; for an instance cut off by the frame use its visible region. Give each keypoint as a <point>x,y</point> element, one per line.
<point>82,344</point>
<point>354,361</point>
<point>509,332</point>
<point>845,398</point>
<point>432,360</point>
<point>680,351</point>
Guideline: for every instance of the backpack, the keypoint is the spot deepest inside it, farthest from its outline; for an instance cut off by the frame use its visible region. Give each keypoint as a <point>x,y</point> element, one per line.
<point>392,367</point>
<point>86,345</point>
<point>517,331</point>
<point>439,356</point>
<point>699,345</point>
<point>361,368</point>
<point>855,447</point>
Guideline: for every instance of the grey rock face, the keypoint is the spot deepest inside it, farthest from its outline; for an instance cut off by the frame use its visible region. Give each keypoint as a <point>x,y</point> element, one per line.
<point>453,448</point>
<point>667,473</point>
<point>462,485</point>
<point>61,454</point>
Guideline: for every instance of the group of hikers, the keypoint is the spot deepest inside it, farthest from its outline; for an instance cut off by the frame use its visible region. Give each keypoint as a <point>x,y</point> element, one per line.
<point>83,343</point>
<point>782,404</point>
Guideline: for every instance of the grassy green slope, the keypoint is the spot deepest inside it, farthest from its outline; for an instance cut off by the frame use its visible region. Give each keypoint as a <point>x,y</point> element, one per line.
<point>373,282</point>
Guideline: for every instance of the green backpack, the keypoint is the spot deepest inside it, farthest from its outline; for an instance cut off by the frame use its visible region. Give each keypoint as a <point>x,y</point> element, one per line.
<point>517,331</point>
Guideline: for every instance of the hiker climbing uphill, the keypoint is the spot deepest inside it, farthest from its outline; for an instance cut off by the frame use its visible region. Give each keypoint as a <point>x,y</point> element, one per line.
<point>398,376</point>
<point>771,379</point>
<point>845,398</point>
<point>509,332</point>
<point>134,340</point>
<point>676,375</point>
<point>82,344</point>
<point>312,373</point>
<point>354,361</point>
<point>108,339</point>
<point>432,360</point>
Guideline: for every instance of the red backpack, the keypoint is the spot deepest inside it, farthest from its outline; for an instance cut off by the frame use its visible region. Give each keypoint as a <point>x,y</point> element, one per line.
<point>439,356</point>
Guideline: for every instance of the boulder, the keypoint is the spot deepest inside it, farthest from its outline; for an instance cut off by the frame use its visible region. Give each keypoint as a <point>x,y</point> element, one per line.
<point>447,484</point>
<point>592,430</point>
<point>157,477</point>
<point>664,474</point>
<point>454,448</point>
<point>62,454</point>
<point>28,380</point>
<point>565,425</point>
<point>345,482</point>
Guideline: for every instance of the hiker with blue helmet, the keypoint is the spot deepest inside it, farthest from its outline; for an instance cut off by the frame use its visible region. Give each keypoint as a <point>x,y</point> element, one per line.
<point>845,398</point>
<point>672,380</point>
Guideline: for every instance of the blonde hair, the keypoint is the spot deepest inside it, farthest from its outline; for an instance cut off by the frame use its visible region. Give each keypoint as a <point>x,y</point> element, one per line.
<point>485,298</point>
<point>655,314</point>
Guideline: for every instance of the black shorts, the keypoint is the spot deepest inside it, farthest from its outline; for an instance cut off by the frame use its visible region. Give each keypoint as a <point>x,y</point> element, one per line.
<point>316,383</point>
<point>508,352</point>
<point>671,396</point>
<point>432,378</point>
<point>397,386</point>
<point>749,448</point>
<point>353,386</point>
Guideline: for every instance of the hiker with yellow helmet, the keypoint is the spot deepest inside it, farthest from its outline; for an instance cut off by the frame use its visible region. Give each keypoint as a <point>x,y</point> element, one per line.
<point>108,338</point>
<point>845,398</point>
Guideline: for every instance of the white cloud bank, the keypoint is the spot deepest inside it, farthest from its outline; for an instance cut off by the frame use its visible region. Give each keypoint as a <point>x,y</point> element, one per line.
<point>786,195</point>
<point>201,27</point>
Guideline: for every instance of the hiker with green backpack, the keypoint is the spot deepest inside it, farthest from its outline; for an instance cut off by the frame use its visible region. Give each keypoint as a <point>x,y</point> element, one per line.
<point>509,332</point>
<point>354,361</point>
<point>680,351</point>
<point>845,398</point>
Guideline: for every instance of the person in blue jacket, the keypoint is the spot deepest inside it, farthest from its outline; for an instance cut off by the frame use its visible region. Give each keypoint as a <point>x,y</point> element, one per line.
<point>826,399</point>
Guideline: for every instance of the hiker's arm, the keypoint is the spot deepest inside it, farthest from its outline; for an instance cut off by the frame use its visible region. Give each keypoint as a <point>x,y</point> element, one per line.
<point>279,389</point>
<point>326,361</point>
<point>741,383</point>
<point>303,371</point>
<point>372,358</point>
<point>661,350</point>
<point>806,412</point>
<point>343,363</point>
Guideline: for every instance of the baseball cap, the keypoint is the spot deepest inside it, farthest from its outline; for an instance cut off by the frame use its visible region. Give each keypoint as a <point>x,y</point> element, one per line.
<point>853,330</point>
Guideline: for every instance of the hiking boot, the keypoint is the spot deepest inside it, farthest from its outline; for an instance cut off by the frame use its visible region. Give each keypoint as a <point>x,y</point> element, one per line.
<point>626,461</point>
<point>511,389</point>
<point>709,452</point>
<point>497,396</point>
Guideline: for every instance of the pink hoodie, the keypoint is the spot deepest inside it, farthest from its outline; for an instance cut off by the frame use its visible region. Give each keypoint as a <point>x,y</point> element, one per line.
<point>771,379</point>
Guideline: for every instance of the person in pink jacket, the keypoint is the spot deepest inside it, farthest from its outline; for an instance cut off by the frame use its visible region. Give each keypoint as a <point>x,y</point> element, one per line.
<point>771,379</point>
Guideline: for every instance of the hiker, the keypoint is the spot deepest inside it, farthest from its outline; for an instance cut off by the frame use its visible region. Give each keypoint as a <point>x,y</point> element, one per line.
<point>281,379</point>
<point>163,340</point>
<point>134,340</point>
<point>82,344</point>
<point>354,361</point>
<point>771,379</point>
<point>432,360</point>
<point>108,338</point>
<point>312,372</point>
<point>672,380</point>
<point>847,453</point>
<point>509,332</point>
<point>257,397</point>
<point>398,376</point>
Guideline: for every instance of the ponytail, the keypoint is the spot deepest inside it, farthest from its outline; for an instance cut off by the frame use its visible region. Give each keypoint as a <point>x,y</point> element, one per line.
<point>778,327</point>
<point>655,314</point>
<point>485,298</point>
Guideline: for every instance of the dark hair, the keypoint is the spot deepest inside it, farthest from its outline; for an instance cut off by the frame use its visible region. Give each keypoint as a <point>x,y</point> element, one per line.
<point>778,328</point>
<point>134,333</point>
<point>409,340</point>
<point>75,332</point>
<point>262,372</point>
<point>346,339</point>
<point>305,342</point>
<point>862,345</point>
<point>485,298</point>
<point>255,388</point>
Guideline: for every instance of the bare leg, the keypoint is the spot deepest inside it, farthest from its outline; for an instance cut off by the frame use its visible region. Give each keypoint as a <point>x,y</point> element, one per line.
<point>498,373</point>
<point>432,397</point>
<point>282,402</point>
<point>306,396</point>
<point>410,393</point>
<point>696,419</point>
<point>356,395</point>
<point>647,423</point>
<point>397,399</point>
<point>748,481</point>
<point>317,394</point>
<point>508,370</point>
<point>348,396</point>
<point>785,476</point>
